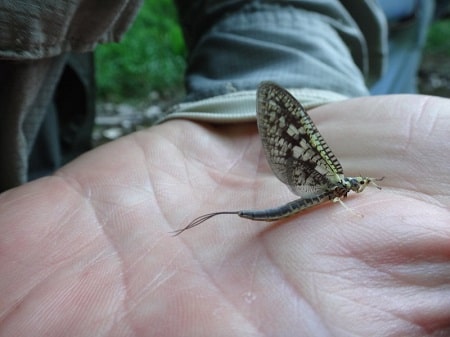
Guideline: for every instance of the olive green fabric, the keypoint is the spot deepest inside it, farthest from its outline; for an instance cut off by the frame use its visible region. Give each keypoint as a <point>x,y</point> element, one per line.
<point>31,30</point>
<point>47,84</point>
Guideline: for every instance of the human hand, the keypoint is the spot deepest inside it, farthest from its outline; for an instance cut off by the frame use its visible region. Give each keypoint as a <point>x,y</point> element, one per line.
<point>89,252</point>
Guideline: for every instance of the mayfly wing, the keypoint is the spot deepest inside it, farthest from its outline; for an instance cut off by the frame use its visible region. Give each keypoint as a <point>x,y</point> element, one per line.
<point>295,149</point>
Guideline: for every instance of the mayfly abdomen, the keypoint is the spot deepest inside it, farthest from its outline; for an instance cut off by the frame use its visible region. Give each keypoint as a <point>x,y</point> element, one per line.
<point>286,210</point>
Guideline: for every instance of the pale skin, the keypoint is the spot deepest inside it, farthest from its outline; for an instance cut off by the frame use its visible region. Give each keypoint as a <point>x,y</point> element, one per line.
<point>88,251</point>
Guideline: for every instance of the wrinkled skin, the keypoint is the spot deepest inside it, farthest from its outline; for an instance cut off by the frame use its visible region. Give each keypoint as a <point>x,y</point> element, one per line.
<point>88,251</point>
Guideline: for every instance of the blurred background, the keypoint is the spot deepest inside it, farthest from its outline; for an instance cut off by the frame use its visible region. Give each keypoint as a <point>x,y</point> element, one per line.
<point>140,77</point>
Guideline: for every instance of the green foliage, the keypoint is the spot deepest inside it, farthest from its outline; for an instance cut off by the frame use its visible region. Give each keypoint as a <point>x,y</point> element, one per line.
<point>150,57</point>
<point>438,37</point>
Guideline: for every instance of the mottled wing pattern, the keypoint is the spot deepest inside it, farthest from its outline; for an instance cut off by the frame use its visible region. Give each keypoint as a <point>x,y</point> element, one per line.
<point>294,148</point>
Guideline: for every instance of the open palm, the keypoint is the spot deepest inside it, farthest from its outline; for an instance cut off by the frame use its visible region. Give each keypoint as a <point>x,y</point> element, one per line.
<point>88,251</point>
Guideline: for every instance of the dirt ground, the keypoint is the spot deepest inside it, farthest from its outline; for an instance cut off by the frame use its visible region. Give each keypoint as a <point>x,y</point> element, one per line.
<point>434,75</point>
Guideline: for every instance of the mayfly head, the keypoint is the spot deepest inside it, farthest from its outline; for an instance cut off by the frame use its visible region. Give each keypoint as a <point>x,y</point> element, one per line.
<point>358,184</point>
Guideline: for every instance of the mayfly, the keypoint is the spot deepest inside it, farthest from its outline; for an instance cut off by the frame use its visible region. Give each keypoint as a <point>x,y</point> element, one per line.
<point>298,155</point>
